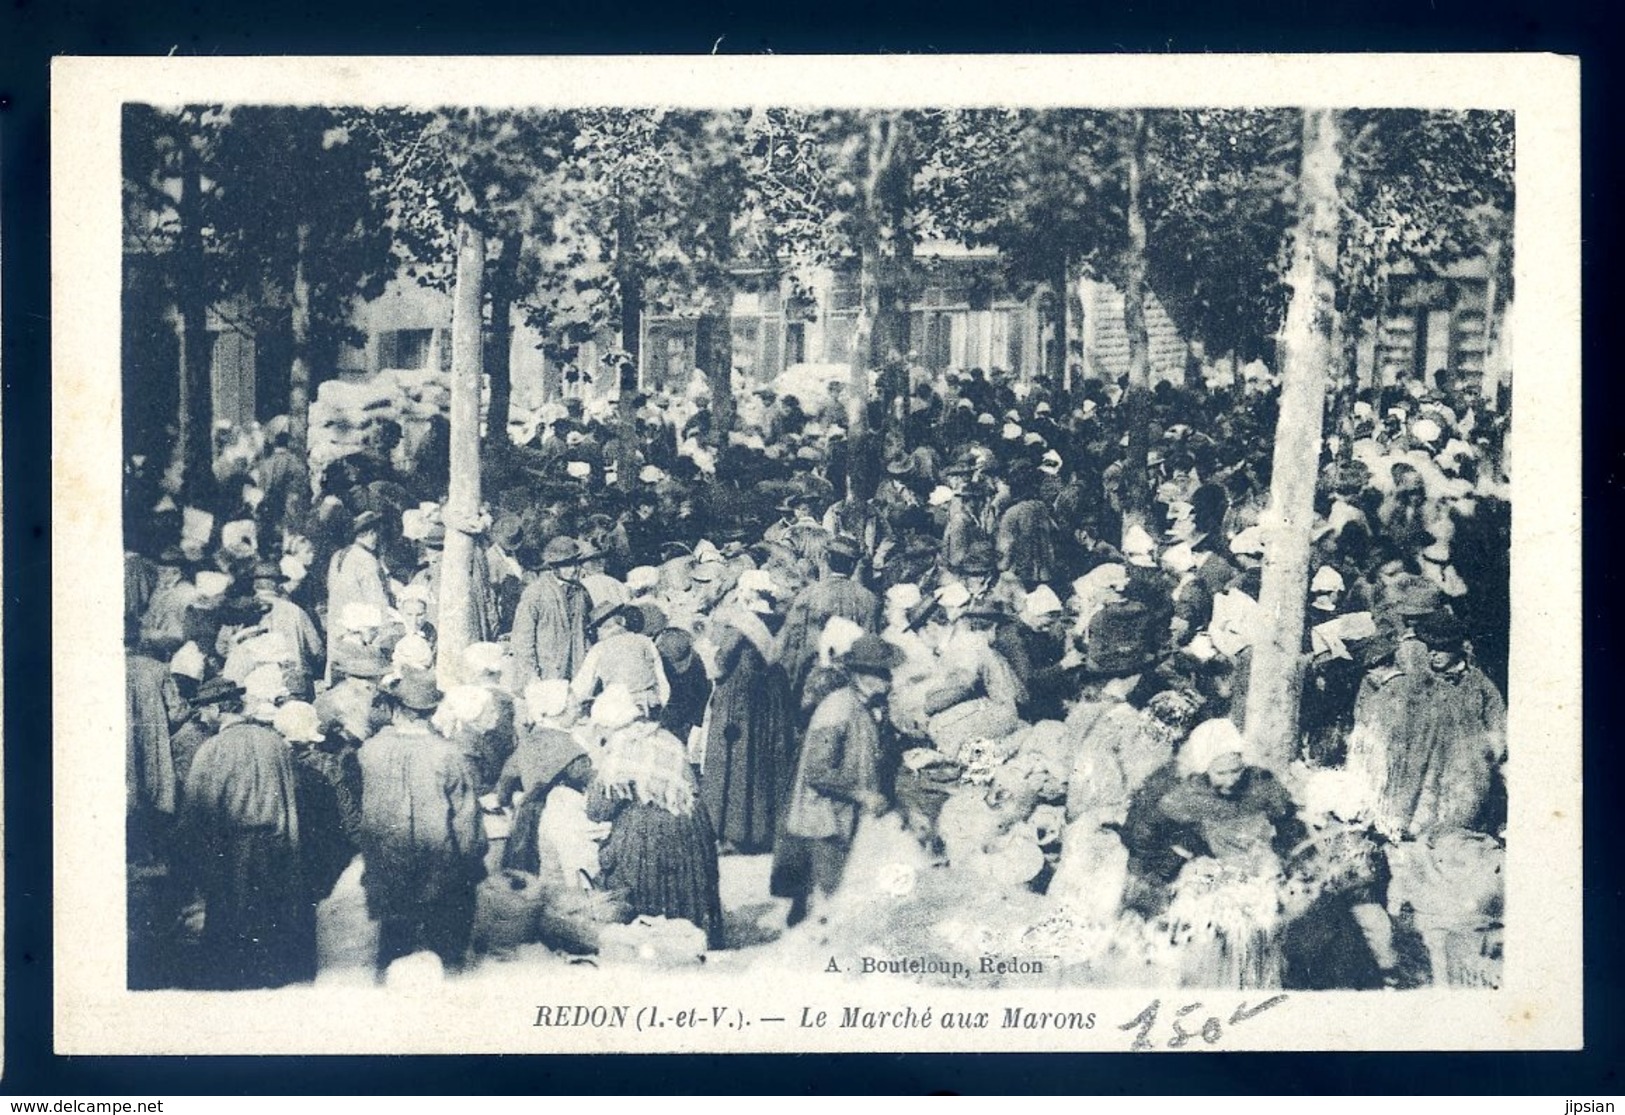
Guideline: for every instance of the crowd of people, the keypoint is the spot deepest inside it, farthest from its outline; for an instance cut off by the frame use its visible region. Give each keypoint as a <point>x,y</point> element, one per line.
<point>756,644</point>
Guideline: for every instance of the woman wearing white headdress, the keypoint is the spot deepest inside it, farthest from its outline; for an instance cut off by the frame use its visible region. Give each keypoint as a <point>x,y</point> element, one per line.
<point>1226,904</point>
<point>661,854</point>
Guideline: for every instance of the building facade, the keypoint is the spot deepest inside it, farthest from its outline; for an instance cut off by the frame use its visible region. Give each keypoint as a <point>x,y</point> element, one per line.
<point>963,316</point>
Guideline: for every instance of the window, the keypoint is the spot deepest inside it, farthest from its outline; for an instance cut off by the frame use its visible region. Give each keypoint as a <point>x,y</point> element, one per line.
<point>405,348</point>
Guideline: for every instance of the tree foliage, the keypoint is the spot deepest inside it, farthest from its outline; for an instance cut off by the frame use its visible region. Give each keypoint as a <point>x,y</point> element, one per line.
<point>277,170</point>
<point>1422,190</point>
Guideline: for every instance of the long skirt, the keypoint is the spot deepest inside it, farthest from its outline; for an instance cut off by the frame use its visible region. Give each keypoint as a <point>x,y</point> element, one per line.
<point>750,756</point>
<point>664,865</point>
<point>259,924</point>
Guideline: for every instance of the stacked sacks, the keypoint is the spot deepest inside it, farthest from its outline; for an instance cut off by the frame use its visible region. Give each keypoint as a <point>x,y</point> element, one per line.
<point>345,412</point>
<point>1453,883</point>
<point>894,901</point>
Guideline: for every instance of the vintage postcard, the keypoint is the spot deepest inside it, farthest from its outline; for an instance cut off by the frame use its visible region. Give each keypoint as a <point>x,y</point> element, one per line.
<point>776,554</point>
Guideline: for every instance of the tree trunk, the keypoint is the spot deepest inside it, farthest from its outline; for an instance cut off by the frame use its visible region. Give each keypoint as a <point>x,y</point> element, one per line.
<point>1341,384</point>
<point>714,352</point>
<point>195,446</point>
<point>299,375</point>
<point>456,621</point>
<point>499,346</point>
<point>1490,379</point>
<point>863,343</point>
<point>880,204</point>
<point>1054,353</point>
<point>1136,497</point>
<point>1275,683</point>
<point>899,284</point>
<point>631,289</point>
<point>1194,356</point>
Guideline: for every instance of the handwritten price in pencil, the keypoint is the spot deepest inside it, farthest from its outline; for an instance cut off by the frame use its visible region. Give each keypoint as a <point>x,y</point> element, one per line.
<point>1187,1024</point>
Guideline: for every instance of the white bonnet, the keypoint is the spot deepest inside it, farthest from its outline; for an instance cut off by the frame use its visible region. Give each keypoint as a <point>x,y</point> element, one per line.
<point>1208,741</point>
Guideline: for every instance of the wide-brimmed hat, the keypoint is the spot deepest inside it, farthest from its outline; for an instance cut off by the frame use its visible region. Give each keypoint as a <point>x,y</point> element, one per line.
<point>561,551</point>
<point>604,611</point>
<point>216,691</point>
<point>367,520</point>
<point>416,689</point>
<point>1375,649</point>
<point>1415,595</point>
<point>555,752</point>
<point>871,654</point>
<point>1440,629</point>
<point>356,658</point>
<point>1121,640</point>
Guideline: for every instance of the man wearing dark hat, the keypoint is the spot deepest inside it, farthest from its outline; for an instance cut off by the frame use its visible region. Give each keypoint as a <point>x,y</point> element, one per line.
<point>504,541</point>
<point>840,776</point>
<point>238,846</point>
<point>836,593</point>
<point>422,840</point>
<point>352,706</point>
<point>550,623</point>
<point>1444,765</point>
<point>216,703</point>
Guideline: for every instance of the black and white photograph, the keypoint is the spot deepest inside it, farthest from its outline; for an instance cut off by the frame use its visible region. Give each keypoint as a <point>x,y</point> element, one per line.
<point>1049,558</point>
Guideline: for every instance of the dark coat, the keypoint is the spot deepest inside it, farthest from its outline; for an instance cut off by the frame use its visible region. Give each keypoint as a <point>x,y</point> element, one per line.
<point>421,834</point>
<point>241,847</point>
<point>750,746</point>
